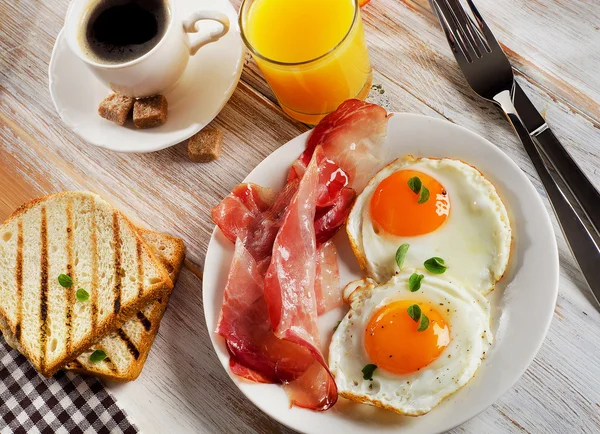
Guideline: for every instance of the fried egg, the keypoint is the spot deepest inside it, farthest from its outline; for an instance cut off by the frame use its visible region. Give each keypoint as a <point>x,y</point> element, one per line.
<point>414,370</point>
<point>463,221</point>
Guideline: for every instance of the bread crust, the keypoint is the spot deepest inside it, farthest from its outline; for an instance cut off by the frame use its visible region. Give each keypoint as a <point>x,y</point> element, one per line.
<point>173,264</point>
<point>153,292</point>
<point>135,367</point>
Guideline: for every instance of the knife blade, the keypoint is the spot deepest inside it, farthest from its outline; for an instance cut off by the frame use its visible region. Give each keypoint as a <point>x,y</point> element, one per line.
<point>531,117</point>
<point>581,187</point>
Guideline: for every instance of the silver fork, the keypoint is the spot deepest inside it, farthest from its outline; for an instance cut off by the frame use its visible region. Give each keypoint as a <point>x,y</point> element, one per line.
<point>490,75</point>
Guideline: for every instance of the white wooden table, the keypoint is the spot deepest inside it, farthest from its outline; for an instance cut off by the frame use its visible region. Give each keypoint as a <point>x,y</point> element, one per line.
<point>554,46</point>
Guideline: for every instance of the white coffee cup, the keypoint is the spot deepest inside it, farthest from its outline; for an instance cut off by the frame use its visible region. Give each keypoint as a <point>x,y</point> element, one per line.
<point>158,70</point>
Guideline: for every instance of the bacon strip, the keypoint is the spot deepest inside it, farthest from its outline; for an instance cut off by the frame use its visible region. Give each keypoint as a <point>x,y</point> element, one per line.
<point>352,136</point>
<point>289,289</point>
<point>269,315</point>
<point>237,211</point>
<point>327,281</point>
<point>329,219</point>
<point>246,214</point>
<point>255,352</point>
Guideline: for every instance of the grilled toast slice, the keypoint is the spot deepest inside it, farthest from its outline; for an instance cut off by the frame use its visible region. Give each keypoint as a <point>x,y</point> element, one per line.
<point>128,347</point>
<point>80,235</point>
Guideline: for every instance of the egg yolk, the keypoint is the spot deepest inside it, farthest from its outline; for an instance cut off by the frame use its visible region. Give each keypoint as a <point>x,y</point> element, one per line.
<point>396,210</point>
<point>394,344</point>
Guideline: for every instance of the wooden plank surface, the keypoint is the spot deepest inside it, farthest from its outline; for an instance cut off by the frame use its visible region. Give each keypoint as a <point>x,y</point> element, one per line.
<point>553,44</point>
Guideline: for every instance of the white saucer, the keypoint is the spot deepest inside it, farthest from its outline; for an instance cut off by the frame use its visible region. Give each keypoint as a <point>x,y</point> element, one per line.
<point>204,88</point>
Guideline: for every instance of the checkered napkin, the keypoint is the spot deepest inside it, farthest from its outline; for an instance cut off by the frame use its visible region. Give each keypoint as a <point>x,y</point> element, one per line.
<point>66,403</point>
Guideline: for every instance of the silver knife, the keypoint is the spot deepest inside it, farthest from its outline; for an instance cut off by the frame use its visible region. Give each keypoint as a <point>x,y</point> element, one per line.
<point>581,187</point>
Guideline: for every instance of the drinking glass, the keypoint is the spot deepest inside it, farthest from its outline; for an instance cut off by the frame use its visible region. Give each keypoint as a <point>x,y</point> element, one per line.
<point>309,89</point>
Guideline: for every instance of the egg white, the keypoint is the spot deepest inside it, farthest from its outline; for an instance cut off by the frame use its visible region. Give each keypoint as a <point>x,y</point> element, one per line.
<point>474,240</point>
<point>466,312</point>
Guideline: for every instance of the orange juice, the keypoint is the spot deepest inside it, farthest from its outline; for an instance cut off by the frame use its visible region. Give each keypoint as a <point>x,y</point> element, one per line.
<point>312,52</point>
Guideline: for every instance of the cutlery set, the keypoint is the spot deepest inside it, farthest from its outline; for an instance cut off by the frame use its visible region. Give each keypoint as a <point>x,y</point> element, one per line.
<point>490,75</point>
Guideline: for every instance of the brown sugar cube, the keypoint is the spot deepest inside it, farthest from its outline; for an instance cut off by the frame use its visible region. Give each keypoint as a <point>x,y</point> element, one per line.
<point>150,112</point>
<point>116,108</point>
<point>205,145</point>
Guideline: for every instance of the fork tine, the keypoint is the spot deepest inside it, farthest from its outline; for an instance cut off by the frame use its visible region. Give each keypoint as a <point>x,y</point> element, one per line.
<point>478,32</point>
<point>474,28</point>
<point>460,27</point>
<point>475,39</point>
<point>455,39</point>
<point>489,72</point>
<point>489,37</point>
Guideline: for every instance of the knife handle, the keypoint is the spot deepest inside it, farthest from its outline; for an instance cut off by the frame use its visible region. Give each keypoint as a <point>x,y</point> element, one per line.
<point>580,186</point>
<point>579,239</point>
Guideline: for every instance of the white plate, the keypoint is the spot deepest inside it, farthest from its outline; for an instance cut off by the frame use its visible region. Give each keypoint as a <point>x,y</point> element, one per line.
<point>523,302</point>
<point>205,86</point>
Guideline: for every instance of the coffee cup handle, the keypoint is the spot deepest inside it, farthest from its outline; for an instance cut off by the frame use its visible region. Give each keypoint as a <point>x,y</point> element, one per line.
<point>189,25</point>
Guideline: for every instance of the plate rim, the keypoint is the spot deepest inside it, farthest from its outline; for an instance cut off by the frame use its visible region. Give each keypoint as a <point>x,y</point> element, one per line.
<point>555,277</point>
<point>192,129</point>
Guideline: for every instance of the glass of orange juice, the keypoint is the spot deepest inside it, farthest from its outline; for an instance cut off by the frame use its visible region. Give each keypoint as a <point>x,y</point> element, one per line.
<point>312,53</point>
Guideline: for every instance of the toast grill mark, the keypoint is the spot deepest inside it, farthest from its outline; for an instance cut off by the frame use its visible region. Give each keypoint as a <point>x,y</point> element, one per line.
<point>75,364</point>
<point>145,321</point>
<point>94,271</point>
<point>43,287</point>
<point>140,270</point>
<point>107,362</point>
<point>117,256</point>
<point>110,364</point>
<point>71,272</point>
<point>130,346</point>
<point>19,279</point>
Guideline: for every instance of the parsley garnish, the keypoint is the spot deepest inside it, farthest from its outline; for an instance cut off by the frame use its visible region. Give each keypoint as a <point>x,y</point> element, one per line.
<point>401,254</point>
<point>98,356</point>
<point>435,265</point>
<point>423,323</point>
<point>368,371</point>
<point>414,184</point>
<point>82,295</point>
<point>424,195</point>
<point>414,282</point>
<point>65,280</point>
<point>414,311</point>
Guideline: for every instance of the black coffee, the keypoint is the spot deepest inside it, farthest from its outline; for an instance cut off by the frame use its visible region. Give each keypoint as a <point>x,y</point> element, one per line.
<point>117,31</point>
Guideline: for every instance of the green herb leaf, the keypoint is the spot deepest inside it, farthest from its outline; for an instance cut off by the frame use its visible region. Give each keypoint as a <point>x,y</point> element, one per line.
<point>82,295</point>
<point>414,311</point>
<point>98,356</point>
<point>423,323</point>
<point>337,325</point>
<point>368,371</point>
<point>424,195</point>
<point>414,184</point>
<point>401,254</point>
<point>414,282</point>
<point>435,265</point>
<point>65,281</point>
